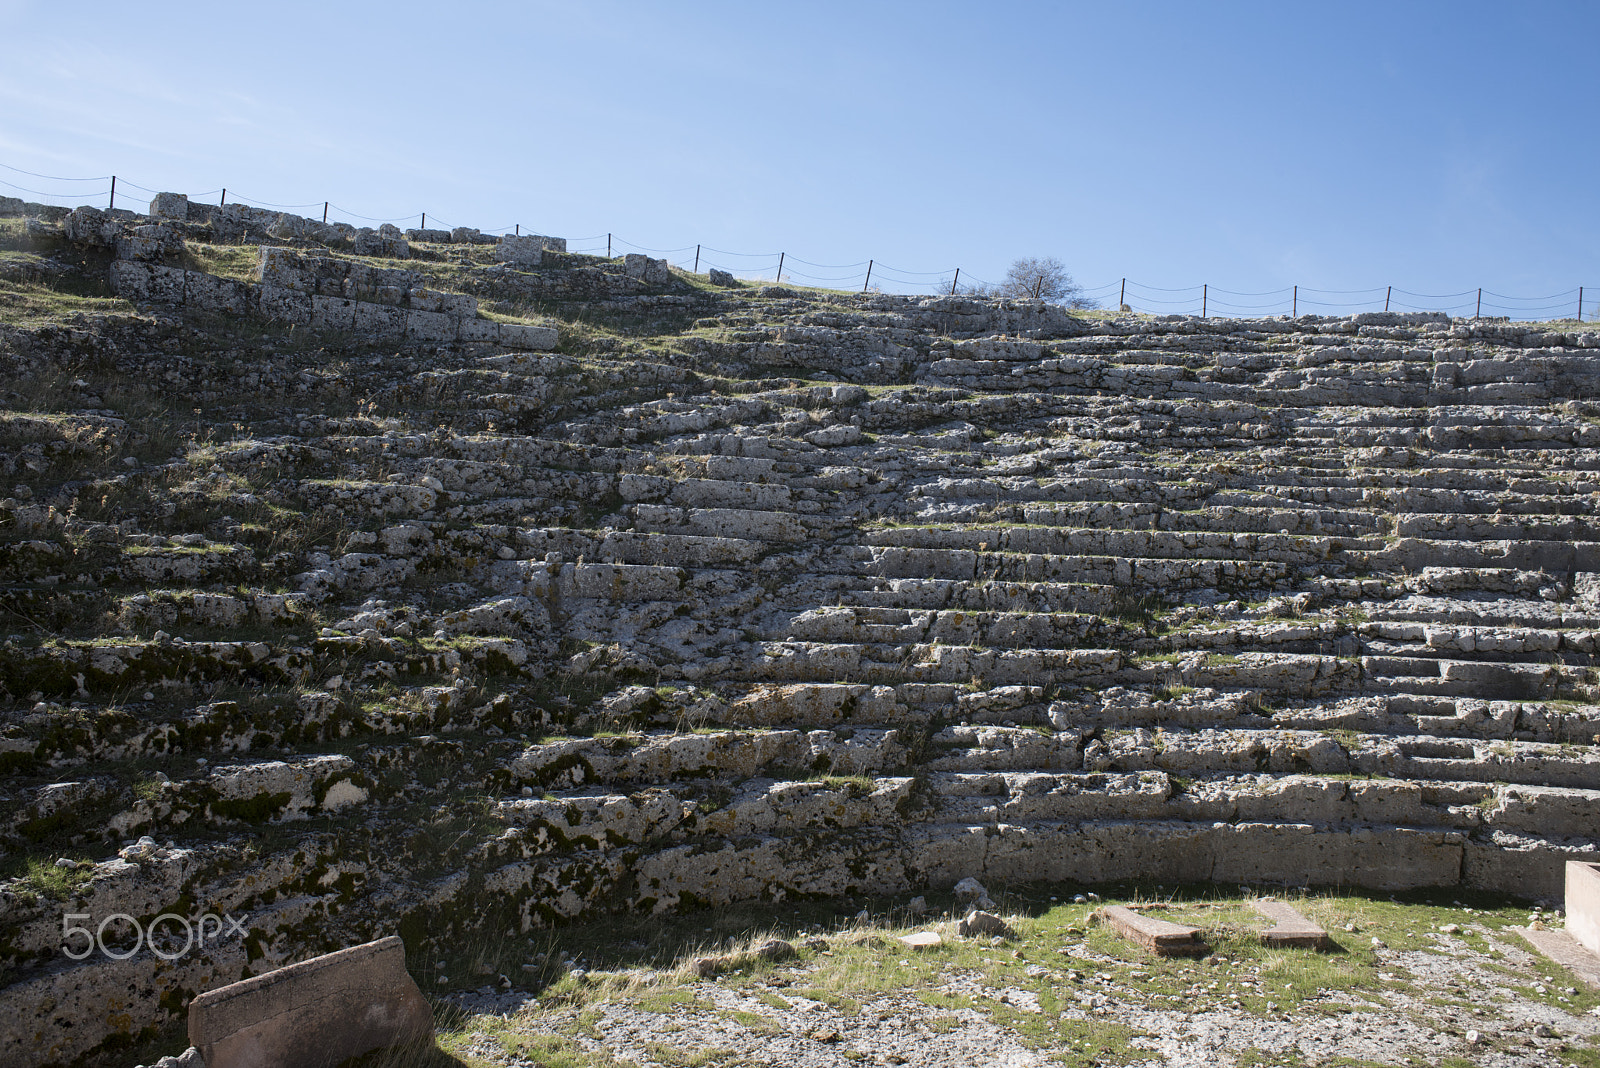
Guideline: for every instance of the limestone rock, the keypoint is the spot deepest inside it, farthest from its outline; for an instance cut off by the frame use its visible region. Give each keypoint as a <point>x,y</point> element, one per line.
<point>979,924</point>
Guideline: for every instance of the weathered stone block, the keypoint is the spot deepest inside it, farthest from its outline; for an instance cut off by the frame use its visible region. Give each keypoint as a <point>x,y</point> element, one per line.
<point>332,313</point>
<point>520,251</point>
<point>90,226</point>
<point>1290,927</point>
<point>649,271</point>
<point>320,1011</point>
<point>284,305</point>
<point>290,227</point>
<point>429,326</point>
<point>138,247</point>
<point>478,330</point>
<point>458,304</point>
<point>130,280</point>
<point>208,293</point>
<point>1159,936</point>
<point>1583,903</point>
<point>285,268</point>
<point>169,285</point>
<point>380,319</point>
<point>521,336</point>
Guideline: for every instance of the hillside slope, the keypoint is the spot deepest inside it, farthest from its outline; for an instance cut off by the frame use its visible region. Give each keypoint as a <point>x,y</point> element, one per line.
<point>434,584</point>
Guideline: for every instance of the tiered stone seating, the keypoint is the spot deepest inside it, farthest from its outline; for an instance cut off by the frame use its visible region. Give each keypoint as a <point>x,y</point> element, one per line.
<point>776,594</point>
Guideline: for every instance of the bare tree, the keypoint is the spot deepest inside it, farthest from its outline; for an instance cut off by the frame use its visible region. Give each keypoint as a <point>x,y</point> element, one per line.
<point>968,289</point>
<point>1045,278</point>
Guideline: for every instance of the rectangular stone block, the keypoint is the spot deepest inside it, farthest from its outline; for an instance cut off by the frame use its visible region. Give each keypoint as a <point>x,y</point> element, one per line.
<point>131,280</point>
<point>429,326</point>
<point>170,206</point>
<point>1289,927</point>
<point>138,247</point>
<point>478,330</point>
<point>168,285</point>
<point>380,319</point>
<point>283,267</point>
<point>1163,938</point>
<point>318,1012</point>
<point>521,251</point>
<point>650,271</point>
<point>285,305</point>
<point>1566,951</point>
<point>1583,903</point>
<point>209,293</point>
<point>332,313</point>
<point>457,304</point>
<point>520,336</point>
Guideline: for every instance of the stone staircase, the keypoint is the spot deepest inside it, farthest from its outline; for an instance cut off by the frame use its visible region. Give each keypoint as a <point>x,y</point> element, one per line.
<point>760,593</point>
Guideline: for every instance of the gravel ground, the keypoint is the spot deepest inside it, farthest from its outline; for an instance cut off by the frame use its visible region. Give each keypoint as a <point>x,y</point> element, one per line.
<point>1486,1002</point>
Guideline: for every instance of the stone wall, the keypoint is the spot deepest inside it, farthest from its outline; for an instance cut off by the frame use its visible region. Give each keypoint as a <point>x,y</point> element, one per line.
<point>328,293</point>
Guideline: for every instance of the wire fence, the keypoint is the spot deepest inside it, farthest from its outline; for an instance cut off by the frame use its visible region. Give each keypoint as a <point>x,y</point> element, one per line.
<point>873,275</point>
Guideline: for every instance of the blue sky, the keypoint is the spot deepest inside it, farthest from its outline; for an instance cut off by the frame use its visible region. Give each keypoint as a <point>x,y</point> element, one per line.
<point>1435,147</point>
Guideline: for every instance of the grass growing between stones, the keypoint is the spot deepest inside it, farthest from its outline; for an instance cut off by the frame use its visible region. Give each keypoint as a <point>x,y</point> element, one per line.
<point>1065,986</point>
<point>34,304</point>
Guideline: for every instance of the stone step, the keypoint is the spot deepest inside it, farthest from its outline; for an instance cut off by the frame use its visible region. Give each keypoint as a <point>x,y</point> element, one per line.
<point>1065,541</point>
<point>917,593</point>
<point>1225,518</point>
<point>560,765</point>
<point>1139,573</point>
<point>139,730</point>
<point>1502,611</point>
<point>1416,554</point>
<point>1485,643</point>
<point>793,661</point>
<point>1007,630</point>
<point>1469,527</point>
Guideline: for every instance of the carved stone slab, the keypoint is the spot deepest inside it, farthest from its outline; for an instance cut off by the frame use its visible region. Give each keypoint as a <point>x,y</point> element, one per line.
<point>1583,903</point>
<point>1164,938</point>
<point>315,1013</point>
<point>1566,951</point>
<point>1289,927</point>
